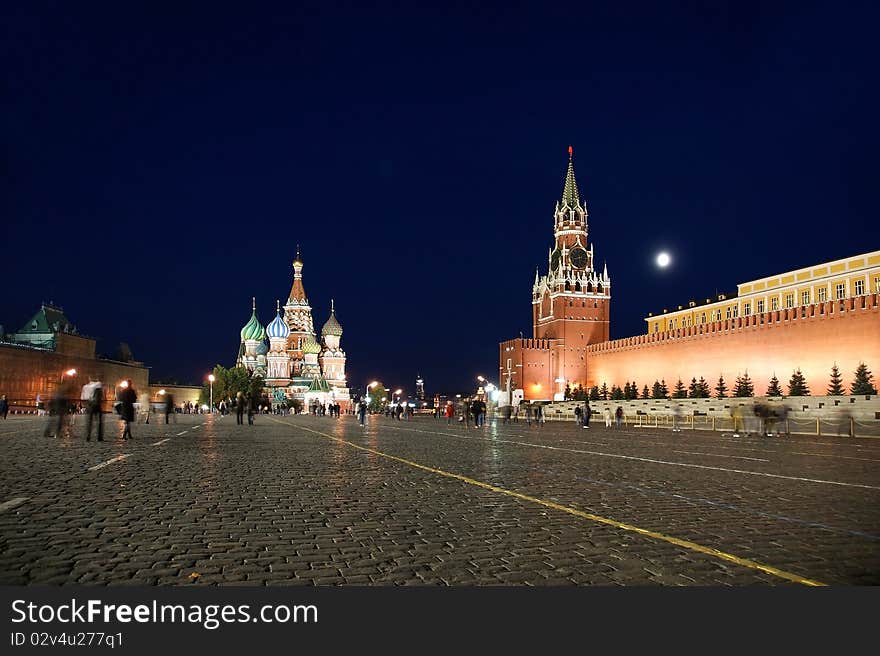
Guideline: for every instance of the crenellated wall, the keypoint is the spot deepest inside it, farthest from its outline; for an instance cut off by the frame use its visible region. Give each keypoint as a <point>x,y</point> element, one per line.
<point>810,338</point>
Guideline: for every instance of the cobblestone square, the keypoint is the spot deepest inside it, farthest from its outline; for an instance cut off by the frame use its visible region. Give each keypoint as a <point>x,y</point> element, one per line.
<point>321,501</point>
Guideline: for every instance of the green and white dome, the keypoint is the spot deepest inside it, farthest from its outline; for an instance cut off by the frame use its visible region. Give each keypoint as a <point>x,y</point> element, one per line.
<point>253,329</point>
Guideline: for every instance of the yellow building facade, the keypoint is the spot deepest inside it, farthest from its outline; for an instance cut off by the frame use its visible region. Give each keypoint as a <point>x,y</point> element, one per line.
<point>850,277</point>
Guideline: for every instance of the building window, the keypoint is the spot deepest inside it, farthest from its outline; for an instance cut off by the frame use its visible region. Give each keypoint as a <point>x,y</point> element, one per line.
<point>760,306</point>
<point>859,288</point>
<point>728,312</point>
<point>747,309</point>
<point>789,300</point>
<point>735,311</point>
<point>840,290</point>
<point>774,303</point>
<point>805,297</point>
<point>822,293</point>
<point>656,327</point>
<point>703,319</point>
<point>877,285</point>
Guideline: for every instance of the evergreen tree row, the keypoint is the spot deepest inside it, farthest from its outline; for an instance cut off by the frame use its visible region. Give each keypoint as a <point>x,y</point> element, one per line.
<point>742,387</point>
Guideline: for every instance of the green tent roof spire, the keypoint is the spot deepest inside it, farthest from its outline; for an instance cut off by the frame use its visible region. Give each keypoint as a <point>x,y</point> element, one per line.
<point>570,194</point>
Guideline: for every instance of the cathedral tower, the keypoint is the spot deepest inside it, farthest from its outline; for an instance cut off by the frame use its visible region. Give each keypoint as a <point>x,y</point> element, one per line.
<point>298,316</point>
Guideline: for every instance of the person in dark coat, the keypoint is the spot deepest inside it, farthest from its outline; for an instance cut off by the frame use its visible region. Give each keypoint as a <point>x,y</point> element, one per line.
<point>4,407</point>
<point>127,397</point>
<point>96,400</point>
<point>169,406</point>
<point>239,408</point>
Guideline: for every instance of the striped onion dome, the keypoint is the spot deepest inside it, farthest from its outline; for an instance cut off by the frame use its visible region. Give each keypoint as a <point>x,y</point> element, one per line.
<point>278,328</point>
<point>253,329</point>
<point>310,345</point>
<point>332,327</point>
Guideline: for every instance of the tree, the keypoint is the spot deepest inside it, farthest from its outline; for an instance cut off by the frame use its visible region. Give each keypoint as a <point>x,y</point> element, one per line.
<point>634,388</point>
<point>835,385</point>
<point>863,383</point>
<point>692,389</point>
<point>744,386</point>
<point>646,393</point>
<point>377,397</point>
<point>721,388</point>
<point>616,393</point>
<point>664,391</point>
<point>594,393</point>
<point>679,392</point>
<point>604,392</point>
<point>579,394</point>
<point>657,391</point>
<point>627,391</point>
<point>566,395</point>
<point>797,386</point>
<point>703,390</point>
<point>773,388</point>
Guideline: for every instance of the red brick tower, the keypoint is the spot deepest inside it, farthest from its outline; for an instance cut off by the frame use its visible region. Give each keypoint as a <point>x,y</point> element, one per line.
<point>571,303</point>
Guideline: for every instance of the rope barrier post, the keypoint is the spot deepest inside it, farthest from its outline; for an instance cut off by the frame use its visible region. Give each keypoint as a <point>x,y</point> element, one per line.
<point>818,429</point>
<point>852,427</point>
<point>713,423</point>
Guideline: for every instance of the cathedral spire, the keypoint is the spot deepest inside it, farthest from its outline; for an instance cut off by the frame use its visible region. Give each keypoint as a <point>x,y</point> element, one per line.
<point>570,194</point>
<point>297,291</point>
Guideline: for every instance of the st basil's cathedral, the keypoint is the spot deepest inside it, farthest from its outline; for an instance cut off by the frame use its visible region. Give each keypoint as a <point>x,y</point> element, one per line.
<point>295,364</point>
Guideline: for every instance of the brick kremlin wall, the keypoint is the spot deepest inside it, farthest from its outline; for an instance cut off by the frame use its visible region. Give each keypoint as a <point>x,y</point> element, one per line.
<point>811,338</point>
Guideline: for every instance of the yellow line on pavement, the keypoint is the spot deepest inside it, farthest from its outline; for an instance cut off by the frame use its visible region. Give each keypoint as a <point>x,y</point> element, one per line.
<point>687,544</point>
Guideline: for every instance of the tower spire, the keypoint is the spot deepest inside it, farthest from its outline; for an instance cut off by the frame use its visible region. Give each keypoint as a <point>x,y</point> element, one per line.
<point>570,195</point>
<point>254,303</point>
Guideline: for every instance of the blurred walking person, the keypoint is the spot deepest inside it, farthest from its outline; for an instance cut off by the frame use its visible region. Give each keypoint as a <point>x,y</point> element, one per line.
<point>127,398</point>
<point>4,407</point>
<point>450,412</point>
<point>239,408</point>
<point>95,410</point>
<point>169,406</point>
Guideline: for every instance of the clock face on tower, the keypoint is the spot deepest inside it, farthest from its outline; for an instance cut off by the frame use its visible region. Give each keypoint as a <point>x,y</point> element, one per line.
<point>578,258</point>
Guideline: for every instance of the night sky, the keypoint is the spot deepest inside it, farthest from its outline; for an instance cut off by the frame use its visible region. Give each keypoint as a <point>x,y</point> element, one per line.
<point>159,166</point>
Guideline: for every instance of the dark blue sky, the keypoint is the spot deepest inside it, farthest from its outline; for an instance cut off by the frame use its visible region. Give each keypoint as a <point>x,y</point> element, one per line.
<point>159,166</point>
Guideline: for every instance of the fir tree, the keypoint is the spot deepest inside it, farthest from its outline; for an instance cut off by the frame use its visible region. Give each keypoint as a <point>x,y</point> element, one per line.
<point>566,395</point>
<point>692,389</point>
<point>616,393</point>
<point>797,386</point>
<point>721,388</point>
<point>703,388</point>
<point>657,391</point>
<point>863,383</point>
<point>773,388</point>
<point>835,386</point>
<point>663,389</point>
<point>635,390</point>
<point>627,391</point>
<point>604,392</point>
<point>679,392</point>
<point>744,386</point>
<point>646,393</point>
<point>594,393</point>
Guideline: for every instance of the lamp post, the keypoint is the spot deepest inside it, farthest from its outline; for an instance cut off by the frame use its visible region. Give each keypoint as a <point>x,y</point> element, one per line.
<point>211,380</point>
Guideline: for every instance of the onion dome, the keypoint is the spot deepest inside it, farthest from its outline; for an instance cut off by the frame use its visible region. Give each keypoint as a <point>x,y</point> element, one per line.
<point>278,328</point>
<point>262,348</point>
<point>332,327</point>
<point>253,329</point>
<point>309,345</point>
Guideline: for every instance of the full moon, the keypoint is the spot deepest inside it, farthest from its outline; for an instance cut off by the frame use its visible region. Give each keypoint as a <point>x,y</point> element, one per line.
<point>663,260</point>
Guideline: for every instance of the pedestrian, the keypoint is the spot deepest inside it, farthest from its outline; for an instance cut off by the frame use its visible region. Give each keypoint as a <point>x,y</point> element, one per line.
<point>578,415</point>
<point>588,411</point>
<point>539,415</point>
<point>606,414</point>
<point>251,405</point>
<point>450,412</point>
<point>4,406</point>
<point>144,406</point>
<point>618,415</point>
<point>60,405</point>
<point>95,409</point>
<point>516,414</point>
<point>529,414</point>
<point>362,413</point>
<point>127,398</point>
<point>239,408</point>
<point>736,415</point>
<point>169,406</point>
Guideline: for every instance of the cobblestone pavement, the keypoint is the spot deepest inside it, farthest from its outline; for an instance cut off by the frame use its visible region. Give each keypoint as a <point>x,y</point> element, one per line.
<point>320,501</point>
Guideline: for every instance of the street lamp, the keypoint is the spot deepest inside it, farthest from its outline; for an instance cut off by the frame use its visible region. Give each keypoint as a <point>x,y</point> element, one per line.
<point>211,380</point>
<point>397,393</point>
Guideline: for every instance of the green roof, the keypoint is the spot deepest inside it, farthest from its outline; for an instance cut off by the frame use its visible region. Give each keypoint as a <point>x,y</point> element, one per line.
<point>319,384</point>
<point>48,320</point>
